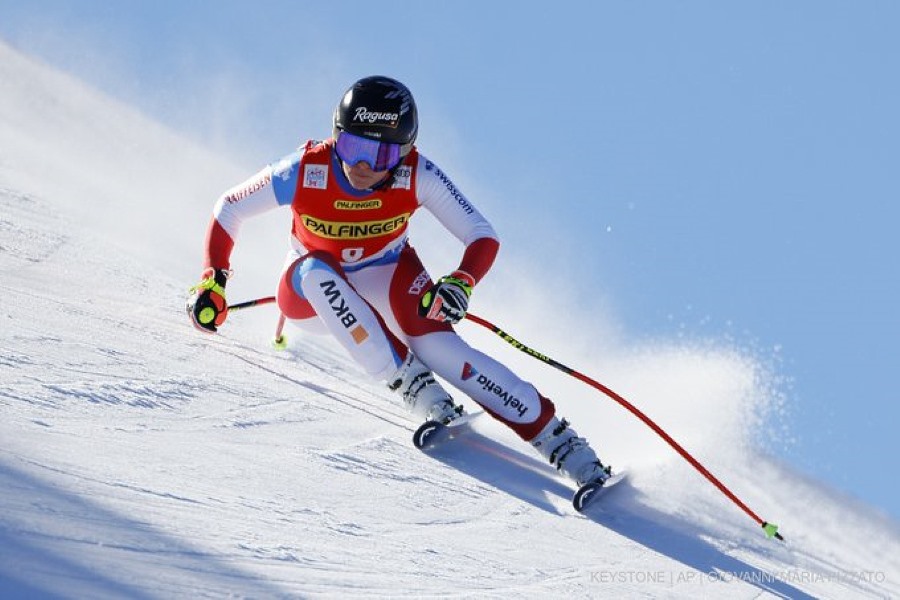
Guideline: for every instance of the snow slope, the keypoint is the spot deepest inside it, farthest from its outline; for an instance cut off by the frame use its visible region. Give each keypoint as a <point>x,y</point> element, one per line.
<point>139,458</point>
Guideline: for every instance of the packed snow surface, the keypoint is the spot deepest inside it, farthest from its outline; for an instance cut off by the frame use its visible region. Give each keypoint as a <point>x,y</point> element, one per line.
<point>140,458</point>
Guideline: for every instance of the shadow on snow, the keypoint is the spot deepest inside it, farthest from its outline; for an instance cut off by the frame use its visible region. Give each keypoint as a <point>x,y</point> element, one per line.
<point>57,544</point>
<point>620,510</point>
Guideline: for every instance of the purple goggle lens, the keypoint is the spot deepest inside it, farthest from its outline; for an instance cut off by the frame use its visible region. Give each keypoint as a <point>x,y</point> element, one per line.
<point>353,149</point>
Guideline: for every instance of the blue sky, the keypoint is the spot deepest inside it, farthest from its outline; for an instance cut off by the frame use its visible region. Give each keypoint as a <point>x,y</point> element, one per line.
<point>716,170</point>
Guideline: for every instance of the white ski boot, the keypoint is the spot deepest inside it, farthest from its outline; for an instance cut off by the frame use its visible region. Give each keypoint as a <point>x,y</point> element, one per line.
<point>422,394</point>
<point>570,454</point>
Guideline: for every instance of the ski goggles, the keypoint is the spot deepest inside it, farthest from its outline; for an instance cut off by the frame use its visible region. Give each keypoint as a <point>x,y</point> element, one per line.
<point>353,149</point>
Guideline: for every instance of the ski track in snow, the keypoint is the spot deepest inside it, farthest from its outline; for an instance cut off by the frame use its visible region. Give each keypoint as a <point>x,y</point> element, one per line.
<point>142,459</point>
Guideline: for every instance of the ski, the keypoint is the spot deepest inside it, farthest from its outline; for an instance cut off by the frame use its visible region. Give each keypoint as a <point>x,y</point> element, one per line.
<point>590,492</point>
<point>432,433</point>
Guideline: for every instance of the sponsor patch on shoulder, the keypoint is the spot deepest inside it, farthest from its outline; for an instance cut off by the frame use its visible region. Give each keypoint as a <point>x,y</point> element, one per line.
<point>315,176</point>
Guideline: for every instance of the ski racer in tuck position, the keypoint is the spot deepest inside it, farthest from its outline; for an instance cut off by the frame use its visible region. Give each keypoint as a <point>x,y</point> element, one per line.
<point>352,273</point>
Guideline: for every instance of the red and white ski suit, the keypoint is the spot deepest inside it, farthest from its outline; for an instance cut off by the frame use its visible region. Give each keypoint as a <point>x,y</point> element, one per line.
<point>352,271</point>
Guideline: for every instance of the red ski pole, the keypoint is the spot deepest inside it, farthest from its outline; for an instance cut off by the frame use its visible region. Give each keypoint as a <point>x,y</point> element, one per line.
<point>249,303</point>
<point>279,341</point>
<point>770,528</point>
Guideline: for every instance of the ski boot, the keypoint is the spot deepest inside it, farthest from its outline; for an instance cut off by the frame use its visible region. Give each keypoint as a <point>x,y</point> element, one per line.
<point>574,458</point>
<point>423,395</point>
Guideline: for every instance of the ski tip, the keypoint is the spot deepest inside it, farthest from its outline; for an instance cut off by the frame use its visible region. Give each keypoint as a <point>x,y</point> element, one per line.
<point>771,530</point>
<point>589,492</point>
<point>423,435</point>
<point>584,495</point>
<point>433,433</point>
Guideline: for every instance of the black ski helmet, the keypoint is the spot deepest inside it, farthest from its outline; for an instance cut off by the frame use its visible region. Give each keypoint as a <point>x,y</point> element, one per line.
<point>381,109</point>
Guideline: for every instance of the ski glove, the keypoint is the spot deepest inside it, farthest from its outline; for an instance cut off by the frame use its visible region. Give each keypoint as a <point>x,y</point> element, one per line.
<point>448,300</point>
<point>206,305</point>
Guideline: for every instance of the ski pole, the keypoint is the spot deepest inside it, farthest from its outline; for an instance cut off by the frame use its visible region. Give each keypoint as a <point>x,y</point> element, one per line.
<point>770,528</point>
<point>249,303</point>
<point>279,341</point>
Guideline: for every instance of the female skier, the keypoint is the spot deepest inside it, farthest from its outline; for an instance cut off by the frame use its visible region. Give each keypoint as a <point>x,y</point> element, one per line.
<point>353,274</point>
